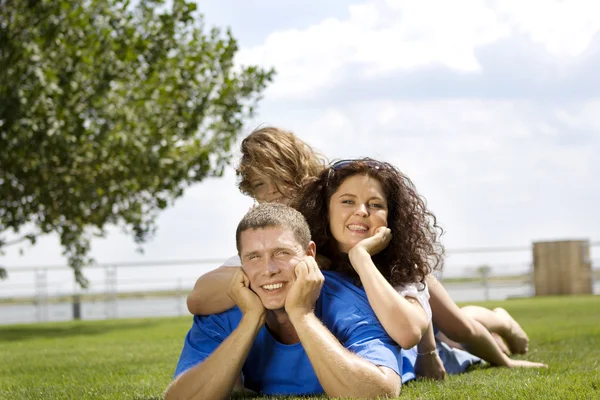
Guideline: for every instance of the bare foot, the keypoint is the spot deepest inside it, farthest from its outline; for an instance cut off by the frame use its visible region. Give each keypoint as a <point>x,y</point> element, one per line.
<point>501,343</point>
<point>526,364</point>
<point>517,339</point>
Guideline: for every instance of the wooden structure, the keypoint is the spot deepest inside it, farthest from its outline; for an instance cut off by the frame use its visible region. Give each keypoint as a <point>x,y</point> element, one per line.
<point>562,267</point>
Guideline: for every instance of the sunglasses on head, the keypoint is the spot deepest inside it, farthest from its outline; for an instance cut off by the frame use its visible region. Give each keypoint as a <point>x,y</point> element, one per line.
<point>371,163</point>
<point>343,163</point>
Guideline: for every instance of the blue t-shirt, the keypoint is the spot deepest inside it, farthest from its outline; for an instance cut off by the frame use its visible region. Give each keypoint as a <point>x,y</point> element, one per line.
<point>274,368</point>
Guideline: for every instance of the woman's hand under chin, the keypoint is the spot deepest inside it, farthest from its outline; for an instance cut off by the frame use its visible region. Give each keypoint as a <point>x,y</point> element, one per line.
<point>374,244</point>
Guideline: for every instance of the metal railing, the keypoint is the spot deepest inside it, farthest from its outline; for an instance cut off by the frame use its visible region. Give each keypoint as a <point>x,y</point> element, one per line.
<point>159,288</point>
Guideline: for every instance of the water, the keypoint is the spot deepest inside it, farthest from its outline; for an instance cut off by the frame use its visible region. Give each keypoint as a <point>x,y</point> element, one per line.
<point>121,308</point>
<point>176,305</point>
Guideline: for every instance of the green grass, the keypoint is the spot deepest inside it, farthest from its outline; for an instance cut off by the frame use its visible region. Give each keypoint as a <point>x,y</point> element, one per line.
<point>134,359</point>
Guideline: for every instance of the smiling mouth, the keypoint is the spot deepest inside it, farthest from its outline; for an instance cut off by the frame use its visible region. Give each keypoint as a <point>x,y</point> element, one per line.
<point>272,287</point>
<point>357,228</point>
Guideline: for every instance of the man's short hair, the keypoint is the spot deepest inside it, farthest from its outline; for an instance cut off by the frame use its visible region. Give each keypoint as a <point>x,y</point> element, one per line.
<point>271,215</point>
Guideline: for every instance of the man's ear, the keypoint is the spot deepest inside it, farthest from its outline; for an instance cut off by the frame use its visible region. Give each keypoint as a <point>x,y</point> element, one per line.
<point>311,250</point>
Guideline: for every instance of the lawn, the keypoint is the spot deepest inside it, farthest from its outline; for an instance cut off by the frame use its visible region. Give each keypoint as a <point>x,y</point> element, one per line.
<point>134,359</point>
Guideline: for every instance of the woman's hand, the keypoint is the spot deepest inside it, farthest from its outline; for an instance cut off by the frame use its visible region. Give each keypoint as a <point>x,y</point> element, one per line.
<point>375,243</point>
<point>360,255</point>
<point>430,366</point>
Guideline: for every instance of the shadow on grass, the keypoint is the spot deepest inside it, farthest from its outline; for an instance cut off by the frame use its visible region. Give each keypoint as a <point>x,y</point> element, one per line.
<point>21,333</point>
<point>238,395</point>
<point>157,397</point>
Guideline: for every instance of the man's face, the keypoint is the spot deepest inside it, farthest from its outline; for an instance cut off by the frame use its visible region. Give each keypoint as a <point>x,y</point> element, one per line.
<point>269,257</point>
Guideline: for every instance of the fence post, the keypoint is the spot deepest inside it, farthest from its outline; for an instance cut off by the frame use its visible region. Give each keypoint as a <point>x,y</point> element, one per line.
<point>484,271</point>
<point>41,294</point>
<point>110,291</point>
<point>179,297</point>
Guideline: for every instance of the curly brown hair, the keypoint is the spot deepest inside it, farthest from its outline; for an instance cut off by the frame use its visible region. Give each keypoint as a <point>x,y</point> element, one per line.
<point>279,155</point>
<point>415,247</point>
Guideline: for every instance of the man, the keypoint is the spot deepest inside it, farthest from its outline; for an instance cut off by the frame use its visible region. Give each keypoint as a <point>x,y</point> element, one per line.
<point>320,335</point>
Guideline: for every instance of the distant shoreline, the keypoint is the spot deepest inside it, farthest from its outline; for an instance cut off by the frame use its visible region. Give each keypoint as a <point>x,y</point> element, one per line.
<point>101,296</point>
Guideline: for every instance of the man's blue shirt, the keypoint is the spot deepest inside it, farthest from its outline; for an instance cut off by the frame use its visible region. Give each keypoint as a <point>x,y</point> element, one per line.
<point>274,368</point>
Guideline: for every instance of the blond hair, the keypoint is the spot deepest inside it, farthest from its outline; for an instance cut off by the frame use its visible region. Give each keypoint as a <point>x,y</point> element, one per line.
<point>278,154</point>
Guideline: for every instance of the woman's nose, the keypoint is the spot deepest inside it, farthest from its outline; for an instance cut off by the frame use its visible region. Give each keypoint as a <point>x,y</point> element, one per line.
<point>361,210</point>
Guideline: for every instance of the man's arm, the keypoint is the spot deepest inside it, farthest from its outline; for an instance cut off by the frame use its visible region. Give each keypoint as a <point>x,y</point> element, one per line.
<point>340,372</point>
<point>216,376</point>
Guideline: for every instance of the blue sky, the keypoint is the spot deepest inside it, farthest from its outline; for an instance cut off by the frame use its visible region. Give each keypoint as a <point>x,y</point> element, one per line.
<point>491,107</point>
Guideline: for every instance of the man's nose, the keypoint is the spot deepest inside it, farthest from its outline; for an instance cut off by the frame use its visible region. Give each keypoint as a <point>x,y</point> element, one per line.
<point>270,268</point>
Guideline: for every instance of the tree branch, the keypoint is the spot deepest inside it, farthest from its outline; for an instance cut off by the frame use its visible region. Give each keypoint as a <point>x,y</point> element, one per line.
<point>30,236</point>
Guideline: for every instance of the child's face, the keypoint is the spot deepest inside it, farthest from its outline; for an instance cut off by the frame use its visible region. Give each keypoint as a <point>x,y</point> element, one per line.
<point>268,190</point>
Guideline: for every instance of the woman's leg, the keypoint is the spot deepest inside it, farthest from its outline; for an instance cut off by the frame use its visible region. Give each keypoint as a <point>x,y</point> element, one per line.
<point>501,322</point>
<point>501,344</point>
<point>460,327</point>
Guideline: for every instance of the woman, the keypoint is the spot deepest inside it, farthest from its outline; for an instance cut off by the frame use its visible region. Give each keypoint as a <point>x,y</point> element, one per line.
<point>275,166</point>
<point>352,210</point>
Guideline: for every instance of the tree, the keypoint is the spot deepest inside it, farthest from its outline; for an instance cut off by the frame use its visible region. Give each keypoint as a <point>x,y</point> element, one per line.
<point>108,110</point>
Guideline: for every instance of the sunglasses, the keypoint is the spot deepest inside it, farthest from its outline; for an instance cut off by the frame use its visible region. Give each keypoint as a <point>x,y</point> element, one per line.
<point>371,163</point>
<point>336,166</point>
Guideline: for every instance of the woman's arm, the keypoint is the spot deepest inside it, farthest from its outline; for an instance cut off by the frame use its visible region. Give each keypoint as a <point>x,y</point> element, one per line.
<point>404,319</point>
<point>428,364</point>
<point>210,292</point>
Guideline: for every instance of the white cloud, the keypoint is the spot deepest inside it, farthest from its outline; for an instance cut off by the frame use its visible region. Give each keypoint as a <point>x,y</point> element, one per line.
<point>381,37</point>
<point>479,159</point>
<point>495,171</point>
<point>565,28</point>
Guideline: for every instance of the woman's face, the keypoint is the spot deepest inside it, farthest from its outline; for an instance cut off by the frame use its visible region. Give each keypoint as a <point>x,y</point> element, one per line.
<point>356,210</point>
<point>267,190</point>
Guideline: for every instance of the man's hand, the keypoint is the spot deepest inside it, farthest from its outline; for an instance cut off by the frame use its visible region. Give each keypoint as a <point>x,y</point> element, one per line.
<point>305,291</point>
<point>375,243</point>
<point>248,301</point>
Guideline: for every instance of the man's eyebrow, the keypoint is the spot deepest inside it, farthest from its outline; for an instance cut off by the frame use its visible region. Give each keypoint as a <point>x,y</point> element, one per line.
<point>283,248</point>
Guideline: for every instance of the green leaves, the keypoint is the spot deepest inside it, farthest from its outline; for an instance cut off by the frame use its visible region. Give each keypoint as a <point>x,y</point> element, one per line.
<point>108,111</point>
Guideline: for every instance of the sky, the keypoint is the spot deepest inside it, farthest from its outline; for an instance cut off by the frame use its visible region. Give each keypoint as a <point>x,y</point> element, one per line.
<point>491,107</point>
